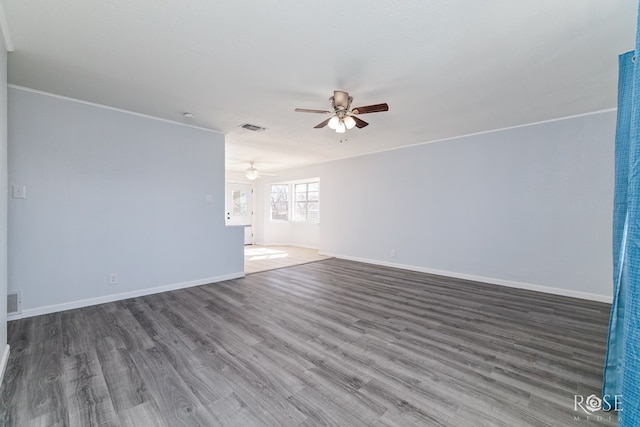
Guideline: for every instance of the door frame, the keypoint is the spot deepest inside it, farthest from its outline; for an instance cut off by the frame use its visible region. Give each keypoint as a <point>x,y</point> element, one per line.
<point>248,228</point>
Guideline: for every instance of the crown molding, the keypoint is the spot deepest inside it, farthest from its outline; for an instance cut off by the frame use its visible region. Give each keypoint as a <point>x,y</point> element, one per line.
<point>106,107</point>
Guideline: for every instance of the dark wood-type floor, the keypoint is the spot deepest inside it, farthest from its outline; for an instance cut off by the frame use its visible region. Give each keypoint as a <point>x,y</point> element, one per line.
<point>328,343</point>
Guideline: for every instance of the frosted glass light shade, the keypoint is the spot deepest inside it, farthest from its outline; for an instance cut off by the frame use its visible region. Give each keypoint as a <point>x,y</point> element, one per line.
<point>252,174</point>
<point>333,123</point>
<point>341,127</point>
<point>349,122</point>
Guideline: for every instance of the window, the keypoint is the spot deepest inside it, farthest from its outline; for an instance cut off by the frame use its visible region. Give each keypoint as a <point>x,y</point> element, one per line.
<point>302,205</point>
<point>280,202</point>
<point>307,201</point>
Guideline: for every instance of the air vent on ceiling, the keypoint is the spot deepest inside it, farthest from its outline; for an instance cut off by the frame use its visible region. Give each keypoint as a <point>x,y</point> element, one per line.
<point>253,128</point>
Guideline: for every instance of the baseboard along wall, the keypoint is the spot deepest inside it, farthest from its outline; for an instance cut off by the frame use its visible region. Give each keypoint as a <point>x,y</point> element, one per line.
<point>490,280</point>
<point>30,312</point>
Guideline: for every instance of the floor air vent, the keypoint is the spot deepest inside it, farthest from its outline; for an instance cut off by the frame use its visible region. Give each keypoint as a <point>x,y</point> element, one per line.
<point>14,303</point>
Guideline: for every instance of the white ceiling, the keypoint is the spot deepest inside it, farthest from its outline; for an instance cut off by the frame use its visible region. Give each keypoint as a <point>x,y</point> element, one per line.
<point>445,67</point>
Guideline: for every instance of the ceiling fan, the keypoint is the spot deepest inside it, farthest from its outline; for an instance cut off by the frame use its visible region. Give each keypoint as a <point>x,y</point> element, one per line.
<point>343,116</point>
<point>252,173</point>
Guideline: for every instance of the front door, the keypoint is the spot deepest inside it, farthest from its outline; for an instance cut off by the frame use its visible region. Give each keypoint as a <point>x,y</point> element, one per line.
<point>239,202</point>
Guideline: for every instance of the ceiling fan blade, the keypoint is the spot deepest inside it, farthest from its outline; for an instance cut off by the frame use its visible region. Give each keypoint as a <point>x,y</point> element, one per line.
<point>307,110</point>
<point>359,122</point>
<point>323,124</point>
<point>370,109</point>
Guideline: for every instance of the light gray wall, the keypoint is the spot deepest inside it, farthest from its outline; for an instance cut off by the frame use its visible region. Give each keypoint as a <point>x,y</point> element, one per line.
<point>527,207</point>
<point>3,193</point>
<point>112,192</point>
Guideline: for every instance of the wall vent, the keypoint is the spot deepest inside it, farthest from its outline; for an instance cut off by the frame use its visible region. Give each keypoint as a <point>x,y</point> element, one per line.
<point>14,303</point>
<point>253,128</point>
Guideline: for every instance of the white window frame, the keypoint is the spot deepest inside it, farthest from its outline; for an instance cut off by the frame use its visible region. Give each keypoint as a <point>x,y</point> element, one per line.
<point>288,193</point>
<point>306,201</point>
<point>291,196</point>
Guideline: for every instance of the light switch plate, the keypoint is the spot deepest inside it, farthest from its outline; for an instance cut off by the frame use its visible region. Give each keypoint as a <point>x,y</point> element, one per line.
<point>19,192</point>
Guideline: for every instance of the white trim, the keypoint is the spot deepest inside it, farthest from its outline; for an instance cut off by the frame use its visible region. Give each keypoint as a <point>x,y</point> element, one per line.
<point>295,181</point>
<point>106,107</point>
<point>449,138</point>
<point>484,132</point>
<point>490,280</point>
<point>125,295</point>
<point>239,181</point>
<point>295,245</point>
<point>4,361</point>
<point>4,27</point>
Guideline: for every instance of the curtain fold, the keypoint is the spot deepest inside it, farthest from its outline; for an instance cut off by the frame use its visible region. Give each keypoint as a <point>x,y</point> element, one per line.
<point>613,365</point>
<point>622,364</point>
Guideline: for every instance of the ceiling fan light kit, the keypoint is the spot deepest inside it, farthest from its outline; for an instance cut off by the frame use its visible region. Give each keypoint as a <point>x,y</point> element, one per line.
<point>344,117</point>
<point>349,122</point>
<point>252,173</point>
<point>333,122</point>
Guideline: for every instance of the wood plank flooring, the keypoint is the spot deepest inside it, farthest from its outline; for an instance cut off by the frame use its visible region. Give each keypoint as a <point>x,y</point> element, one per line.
<point>330,343</point>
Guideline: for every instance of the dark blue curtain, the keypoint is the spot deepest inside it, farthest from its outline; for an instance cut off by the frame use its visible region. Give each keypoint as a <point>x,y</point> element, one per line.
<point>622,366</point>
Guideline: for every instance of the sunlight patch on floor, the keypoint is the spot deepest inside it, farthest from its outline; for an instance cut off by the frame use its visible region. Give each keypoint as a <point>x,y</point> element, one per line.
<point>261,258</point>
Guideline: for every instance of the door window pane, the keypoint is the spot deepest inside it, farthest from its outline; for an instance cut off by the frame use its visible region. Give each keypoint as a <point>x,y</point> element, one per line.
<point>240,200</point>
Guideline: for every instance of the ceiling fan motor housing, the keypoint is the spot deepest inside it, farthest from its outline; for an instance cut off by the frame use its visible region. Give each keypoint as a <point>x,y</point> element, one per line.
<point>340,101</point>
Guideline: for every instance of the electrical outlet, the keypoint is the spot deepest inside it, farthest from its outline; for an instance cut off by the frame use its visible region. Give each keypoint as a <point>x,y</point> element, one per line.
<point>113,278</point>
<point>393,253</point>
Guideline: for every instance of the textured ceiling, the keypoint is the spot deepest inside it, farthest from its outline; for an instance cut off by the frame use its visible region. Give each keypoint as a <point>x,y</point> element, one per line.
<point>446,67</point>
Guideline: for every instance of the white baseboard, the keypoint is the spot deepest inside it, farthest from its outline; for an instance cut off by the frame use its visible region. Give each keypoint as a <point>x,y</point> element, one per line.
<point>489,280</point>
<point>117,297</point>
<point>4,361</point>
<point>295,245</point>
